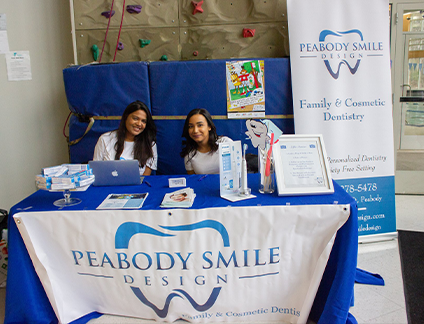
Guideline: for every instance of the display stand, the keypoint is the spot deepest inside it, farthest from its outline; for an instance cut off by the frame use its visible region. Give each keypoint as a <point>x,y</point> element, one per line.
<point>66,200</point>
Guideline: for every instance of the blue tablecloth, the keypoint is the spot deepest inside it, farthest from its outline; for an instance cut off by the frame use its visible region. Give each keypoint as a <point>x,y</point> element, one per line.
<point>26,300</point>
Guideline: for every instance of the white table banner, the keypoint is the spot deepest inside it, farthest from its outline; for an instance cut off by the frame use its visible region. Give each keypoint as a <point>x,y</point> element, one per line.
<point>250,264</point>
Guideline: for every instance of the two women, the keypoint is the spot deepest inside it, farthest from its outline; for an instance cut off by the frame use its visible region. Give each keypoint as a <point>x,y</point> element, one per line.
<point>135,138</point>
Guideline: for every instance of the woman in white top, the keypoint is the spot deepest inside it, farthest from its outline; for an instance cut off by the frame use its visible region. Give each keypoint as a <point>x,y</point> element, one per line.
<point>134,139</point>
<point>201,145</point>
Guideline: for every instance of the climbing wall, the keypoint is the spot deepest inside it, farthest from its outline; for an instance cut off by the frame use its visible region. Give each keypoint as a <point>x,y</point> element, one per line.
<point>179,30</point>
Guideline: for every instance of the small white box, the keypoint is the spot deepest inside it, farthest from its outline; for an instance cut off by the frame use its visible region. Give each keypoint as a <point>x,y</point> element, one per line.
<point>177,182</point>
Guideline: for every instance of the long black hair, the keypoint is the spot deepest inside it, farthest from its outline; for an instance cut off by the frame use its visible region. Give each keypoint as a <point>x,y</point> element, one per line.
<point>142,142</point>
<point>190,145</point>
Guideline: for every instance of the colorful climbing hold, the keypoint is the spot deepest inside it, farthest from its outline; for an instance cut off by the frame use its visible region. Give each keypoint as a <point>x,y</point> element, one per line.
<point>108,14</point>
<point>95,52</point>
<point>247,32</point>
<point>197,7</point>
<point>144,42</point>
<point>120,46</point>
<point>164,58</point>
<point>134,9</point>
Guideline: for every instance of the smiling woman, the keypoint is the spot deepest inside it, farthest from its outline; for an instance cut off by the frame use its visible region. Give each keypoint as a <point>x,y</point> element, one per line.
<point>200,152</point>
<point>135,138</point>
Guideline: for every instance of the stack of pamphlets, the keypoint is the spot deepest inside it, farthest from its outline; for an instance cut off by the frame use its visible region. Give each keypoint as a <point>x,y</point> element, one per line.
<point>65,176</point>
<point>183,198</point>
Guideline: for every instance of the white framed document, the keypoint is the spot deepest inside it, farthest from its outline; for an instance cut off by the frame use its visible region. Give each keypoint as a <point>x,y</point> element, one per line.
<point>301,166</point>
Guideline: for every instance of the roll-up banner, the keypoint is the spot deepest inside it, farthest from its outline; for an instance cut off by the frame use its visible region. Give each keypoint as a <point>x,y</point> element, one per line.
<point>340,66</point>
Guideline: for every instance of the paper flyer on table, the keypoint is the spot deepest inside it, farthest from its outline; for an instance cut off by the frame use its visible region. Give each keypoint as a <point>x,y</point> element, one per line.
<point>123,201</point>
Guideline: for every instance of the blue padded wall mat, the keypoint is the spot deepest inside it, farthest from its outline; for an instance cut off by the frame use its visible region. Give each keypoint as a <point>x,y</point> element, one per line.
<point>178,87</point>
<point>169,147</point>
<point>82,152</point>
<point>101,90</point>
<point>171,89</point>
<point>106,89</point>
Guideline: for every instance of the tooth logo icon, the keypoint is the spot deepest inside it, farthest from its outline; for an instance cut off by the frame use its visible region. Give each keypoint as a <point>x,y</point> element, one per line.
<point>122,239</point>
<point>340,60</point>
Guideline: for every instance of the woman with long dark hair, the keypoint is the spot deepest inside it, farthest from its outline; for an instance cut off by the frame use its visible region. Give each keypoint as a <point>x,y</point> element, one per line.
<point>135,139</point>
<point>200,152</point>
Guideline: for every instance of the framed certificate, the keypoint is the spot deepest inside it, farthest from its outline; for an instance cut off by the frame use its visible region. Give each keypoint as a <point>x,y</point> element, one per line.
<point>301,166</point>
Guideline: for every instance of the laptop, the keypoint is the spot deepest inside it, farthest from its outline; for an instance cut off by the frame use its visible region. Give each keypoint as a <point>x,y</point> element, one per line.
<point>115,173</point>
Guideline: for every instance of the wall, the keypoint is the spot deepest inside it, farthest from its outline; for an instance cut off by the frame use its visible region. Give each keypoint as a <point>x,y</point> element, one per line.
<point>32,113</point>
<point>174,30</point>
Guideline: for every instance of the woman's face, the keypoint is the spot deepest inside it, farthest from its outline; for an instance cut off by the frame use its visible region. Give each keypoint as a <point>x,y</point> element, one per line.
<point>135,124</point>
<point>178,197</point>
<point>198,129</point>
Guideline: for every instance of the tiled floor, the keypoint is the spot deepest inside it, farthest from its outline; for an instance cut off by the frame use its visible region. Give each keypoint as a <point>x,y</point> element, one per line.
<point>386,304</point>
<point>380,304</point>
<point>373,304</point>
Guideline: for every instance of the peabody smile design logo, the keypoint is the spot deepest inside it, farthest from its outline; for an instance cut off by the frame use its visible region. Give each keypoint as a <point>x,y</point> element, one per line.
<point>127,230</point>
<point>341,48</point>
<point>194,268</point>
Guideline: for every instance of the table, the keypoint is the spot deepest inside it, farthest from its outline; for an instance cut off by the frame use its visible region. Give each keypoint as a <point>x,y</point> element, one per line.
<point>26,300</point>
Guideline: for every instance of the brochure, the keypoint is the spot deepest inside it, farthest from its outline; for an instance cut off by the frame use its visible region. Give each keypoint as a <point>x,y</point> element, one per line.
<point>123,201</point>
<point>183,198</point>
<point>73,177</point>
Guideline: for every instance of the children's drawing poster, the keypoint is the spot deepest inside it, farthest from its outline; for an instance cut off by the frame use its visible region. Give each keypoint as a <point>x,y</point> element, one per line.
<point>245,89</point>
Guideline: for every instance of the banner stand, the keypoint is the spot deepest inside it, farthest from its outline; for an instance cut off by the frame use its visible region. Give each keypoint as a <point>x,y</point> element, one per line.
<point>341,83</point>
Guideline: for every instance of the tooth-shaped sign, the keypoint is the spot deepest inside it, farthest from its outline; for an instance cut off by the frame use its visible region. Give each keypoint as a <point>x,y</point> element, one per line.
<point>338,49</point>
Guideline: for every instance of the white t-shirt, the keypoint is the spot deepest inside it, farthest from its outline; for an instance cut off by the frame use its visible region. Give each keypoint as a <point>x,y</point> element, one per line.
<point>105,151</point>
<point>205,163</point>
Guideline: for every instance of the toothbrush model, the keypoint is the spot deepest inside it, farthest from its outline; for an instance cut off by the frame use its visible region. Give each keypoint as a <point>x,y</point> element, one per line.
<point>244,190</point>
